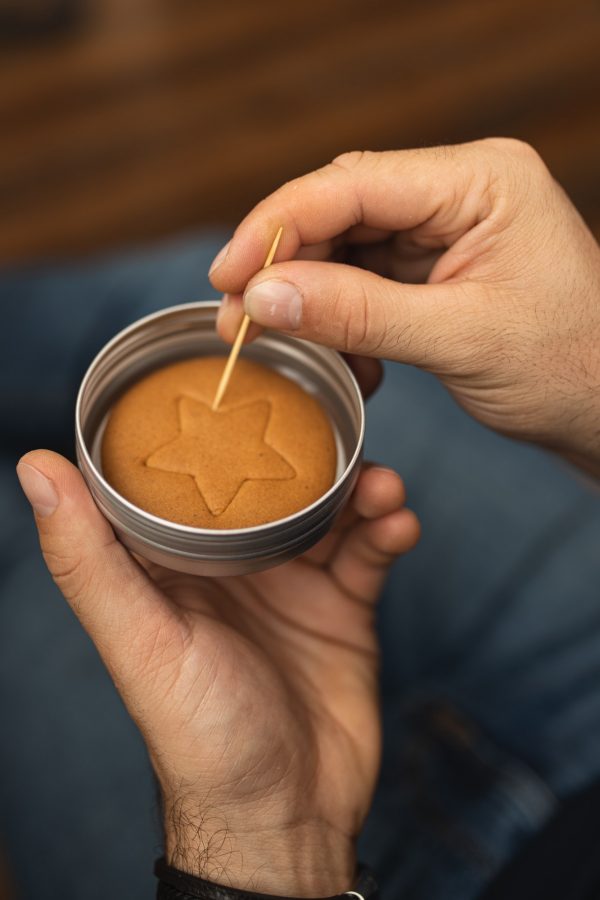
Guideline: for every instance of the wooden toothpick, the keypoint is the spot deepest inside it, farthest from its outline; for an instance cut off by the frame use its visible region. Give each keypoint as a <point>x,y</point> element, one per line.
<point>237,344</point>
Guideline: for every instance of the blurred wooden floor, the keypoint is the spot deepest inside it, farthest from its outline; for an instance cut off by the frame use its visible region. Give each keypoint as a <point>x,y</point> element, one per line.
<point>157,116</point>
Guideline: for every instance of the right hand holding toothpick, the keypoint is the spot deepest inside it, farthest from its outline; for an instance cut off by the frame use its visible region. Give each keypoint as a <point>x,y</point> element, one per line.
<point>454,254</point>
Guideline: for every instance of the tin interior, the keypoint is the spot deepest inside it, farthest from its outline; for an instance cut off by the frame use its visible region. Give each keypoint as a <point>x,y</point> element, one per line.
<point>187,331</point>
<point>147,351</point>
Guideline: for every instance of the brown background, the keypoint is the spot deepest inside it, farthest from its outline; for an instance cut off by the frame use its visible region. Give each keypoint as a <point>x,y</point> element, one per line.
<point>141,118</point>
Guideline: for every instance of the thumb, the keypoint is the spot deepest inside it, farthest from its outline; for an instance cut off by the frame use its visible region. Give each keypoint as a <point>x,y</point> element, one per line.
<point>118,605</point>
<point>356,311</point>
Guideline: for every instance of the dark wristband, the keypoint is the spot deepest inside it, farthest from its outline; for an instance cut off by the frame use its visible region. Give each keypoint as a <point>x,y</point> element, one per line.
<point>176,885</point>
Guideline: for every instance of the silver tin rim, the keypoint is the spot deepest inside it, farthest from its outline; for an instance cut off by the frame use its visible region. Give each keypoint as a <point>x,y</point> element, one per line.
<point>201,550</point>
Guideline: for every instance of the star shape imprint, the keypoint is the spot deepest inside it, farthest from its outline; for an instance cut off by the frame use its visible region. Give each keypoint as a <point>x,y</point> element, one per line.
<point>221,450</point>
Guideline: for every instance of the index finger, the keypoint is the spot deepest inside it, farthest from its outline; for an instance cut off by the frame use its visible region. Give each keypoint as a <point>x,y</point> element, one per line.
<point>391,191</point>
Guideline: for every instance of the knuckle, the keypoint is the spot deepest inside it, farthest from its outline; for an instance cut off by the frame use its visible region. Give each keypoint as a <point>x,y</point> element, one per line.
<point>522,149</point>
<point>517,174</point>
<point>515,150</point>
<point>353,318</point>
<point>351,159</point>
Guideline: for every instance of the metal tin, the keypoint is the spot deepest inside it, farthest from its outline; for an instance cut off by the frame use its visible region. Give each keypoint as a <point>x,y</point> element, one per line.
<point>185,331</point>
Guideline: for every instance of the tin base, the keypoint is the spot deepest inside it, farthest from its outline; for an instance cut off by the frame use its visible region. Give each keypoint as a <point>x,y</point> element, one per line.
<point>189,331</point>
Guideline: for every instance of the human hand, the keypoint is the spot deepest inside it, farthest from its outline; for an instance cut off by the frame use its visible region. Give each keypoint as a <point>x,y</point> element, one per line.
<point>256,695</point>
<point>509,316</point>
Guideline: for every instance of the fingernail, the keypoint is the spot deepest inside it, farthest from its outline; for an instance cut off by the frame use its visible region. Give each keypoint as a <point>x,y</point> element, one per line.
<point>219,258</point>
<point>38,489</point>
<point>276,304</point>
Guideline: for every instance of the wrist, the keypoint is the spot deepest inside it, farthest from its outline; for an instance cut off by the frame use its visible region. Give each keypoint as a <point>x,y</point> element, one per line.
<point>308,859</point>
<point>173,883</point>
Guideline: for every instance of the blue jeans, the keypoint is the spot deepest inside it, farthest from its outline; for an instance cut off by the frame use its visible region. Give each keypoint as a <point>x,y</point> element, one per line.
<point>490,628</point>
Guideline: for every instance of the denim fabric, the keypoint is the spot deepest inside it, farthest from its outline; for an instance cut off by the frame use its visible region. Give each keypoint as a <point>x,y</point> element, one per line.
<point>490,628</point>
<point>491,646</point>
